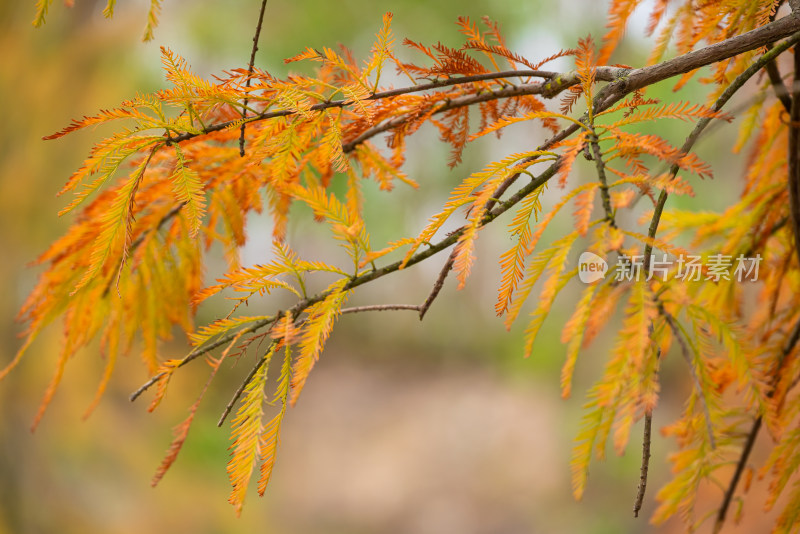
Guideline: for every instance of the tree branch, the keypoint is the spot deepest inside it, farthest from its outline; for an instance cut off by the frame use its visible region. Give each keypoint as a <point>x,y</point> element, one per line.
<point>645,465</point>
<point>389,93</point>
<point>601,175</point>
<point>438,285</point>
<point>701,125</point>
<point>380,307</point>
<point>737,84</point>
<point>794,154</point>
<point>200,351</point>
<point>238,393</point>
<point>301,305</point>
<point>635,79</point>
<point>250,73</point>
<point>752,40</point>
<point>777,84</point>
<point>623,81</point>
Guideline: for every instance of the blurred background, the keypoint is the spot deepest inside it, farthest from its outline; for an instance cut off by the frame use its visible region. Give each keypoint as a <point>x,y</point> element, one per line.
<point>404,426</point>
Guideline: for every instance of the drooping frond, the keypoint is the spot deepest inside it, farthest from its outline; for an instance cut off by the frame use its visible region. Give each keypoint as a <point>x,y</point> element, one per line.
<point>553,257</point>
<point>573,333</point>
<point>41,12</point>
<point>505,121</point>
<point>63,358</point>
<point>222,326</point>
<point>621,395</point>
<point>551,287</point>
<point>512,262</point>
<point>630,145</point>
<point>189,191</point>
<point>381,50</point>
<point>117,226</point>
<point>584,204</point>
<point>152,20</point>
<point>618,14</point>
<point>271,435</point>
<point>585,62</point>
<point>319,324</point>
<point>246,435</point>
<point>677,110</point>
<point>112,340</point>
<point>474,191</point>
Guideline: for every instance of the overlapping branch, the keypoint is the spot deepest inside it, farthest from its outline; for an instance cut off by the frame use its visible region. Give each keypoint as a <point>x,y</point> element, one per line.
<point>621,82</point>
<point>765,60</point>
<point>370,276</point>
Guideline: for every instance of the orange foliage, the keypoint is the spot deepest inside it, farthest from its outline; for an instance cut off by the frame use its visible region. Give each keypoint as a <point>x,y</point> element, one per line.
<point>154,197</point>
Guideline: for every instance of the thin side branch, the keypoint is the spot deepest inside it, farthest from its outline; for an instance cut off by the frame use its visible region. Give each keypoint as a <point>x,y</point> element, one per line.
<point>389,93</point>
<point>740,466</point>
<point>601,175</point>
<point>240,390</point>
<point>205,349</point>
<point>752,40</point>
<point>357,309</point>
<point>250,73</point>
<point>645,466</point>
<point>380,307</point>
<point>437,287</point>
<point>794,154</point>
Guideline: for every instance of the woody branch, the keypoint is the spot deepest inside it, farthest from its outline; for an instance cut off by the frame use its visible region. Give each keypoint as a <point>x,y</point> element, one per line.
<point>622,82</point>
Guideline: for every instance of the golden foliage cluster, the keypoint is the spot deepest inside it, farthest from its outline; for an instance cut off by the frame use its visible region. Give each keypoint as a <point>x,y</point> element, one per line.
<point>154,197</point>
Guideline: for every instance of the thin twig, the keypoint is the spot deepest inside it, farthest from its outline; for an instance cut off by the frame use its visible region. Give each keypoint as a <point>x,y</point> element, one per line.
<point>601,175</point>
<point>534,88</point>
<point>380,307</point>
<point>240,389</point>
<point>645,465</point>
<point>200,351</point>
<point>740,466</point>
<point>250,74</point>
<point>447,105</point>
<point>794,154</point>
<point>164,220</point>
<point>438,285</point>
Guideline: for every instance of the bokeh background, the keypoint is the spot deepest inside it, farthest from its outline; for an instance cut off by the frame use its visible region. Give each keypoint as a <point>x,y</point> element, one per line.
<point>404,427</point>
